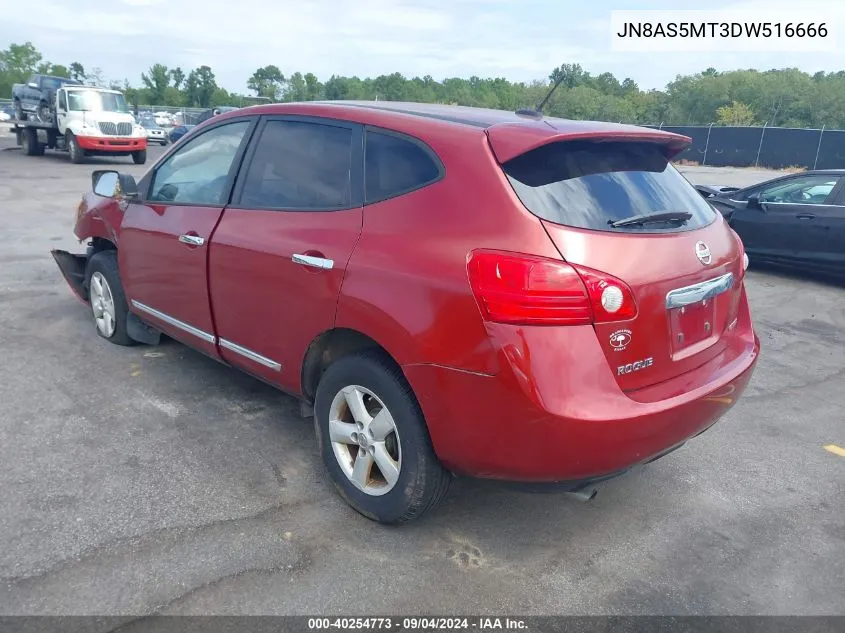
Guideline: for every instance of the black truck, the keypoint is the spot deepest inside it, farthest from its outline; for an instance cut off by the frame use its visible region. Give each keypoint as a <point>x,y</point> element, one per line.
<point>36,98</point>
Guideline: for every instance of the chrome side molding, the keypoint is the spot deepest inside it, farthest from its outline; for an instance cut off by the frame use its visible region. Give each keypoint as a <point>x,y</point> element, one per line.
<point>696,293</point>
<point>190,329</point>
<point>248,353</point>
<point>208,338</point>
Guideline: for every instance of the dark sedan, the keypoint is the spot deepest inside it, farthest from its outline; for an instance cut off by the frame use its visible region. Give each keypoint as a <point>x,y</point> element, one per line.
<point>796,220</point>
<point>179,131</point>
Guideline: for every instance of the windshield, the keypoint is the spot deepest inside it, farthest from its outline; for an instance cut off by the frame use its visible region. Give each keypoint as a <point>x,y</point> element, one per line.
<point>591,184</point>
<point>96,101</point>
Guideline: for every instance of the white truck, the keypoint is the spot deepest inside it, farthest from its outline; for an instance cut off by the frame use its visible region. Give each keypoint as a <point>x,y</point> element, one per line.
<point>85,121</point>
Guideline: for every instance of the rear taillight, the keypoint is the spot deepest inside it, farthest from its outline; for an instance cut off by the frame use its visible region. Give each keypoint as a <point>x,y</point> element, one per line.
<point>530,290</point>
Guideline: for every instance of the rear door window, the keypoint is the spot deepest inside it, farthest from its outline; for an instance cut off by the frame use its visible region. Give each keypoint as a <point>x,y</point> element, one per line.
<point>301,166</point>
<point>395,165</point>
<point>592,184</point>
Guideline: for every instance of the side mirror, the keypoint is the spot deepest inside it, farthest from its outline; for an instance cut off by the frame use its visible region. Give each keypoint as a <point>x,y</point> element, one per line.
<point>755,203</point>
<point>32,85</point>
<point>112,184</point>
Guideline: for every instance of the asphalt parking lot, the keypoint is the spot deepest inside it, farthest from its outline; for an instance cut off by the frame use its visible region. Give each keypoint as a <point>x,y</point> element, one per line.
<point>154,480</point>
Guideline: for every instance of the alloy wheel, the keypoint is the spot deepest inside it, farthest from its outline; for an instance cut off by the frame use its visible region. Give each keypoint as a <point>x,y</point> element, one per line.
<point>365,440</point>
<point>102,304</point>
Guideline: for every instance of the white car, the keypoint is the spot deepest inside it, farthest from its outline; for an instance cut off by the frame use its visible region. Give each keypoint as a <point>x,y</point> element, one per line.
<point>5,116</point>
<point>155,133</point>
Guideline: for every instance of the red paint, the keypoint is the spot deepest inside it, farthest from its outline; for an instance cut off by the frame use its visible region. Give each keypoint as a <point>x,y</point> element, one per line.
<point>264,301</point>
<point>517,400</point>
<point>509,140</point>
<point>111,143</point>
<point>163,273</point>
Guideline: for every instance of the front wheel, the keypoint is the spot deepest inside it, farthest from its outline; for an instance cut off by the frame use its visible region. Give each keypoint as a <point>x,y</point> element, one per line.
<point>106,297</point>
<point>77,154</point>
<point>139,157</point>
<point>374,441</point>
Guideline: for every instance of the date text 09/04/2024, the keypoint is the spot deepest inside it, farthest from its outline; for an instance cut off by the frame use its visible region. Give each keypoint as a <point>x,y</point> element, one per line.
<point>418,623</point>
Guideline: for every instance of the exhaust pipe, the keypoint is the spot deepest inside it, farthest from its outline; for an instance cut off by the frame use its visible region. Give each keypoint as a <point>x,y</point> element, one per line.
<point>587,494</point>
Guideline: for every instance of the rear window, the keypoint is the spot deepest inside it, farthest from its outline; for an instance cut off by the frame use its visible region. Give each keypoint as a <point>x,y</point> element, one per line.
<point>591,184</point>
<point>51,83</point>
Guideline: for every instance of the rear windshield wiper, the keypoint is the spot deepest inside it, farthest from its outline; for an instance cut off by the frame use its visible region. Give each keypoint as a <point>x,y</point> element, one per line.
<point>652,218</point>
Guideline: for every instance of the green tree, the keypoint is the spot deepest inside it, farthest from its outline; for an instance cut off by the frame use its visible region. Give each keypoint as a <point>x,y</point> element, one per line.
<point>737,113</point>
<point>267,82</point>
<point>156,81</point>
<point>313,87</point>
<point>571,74</point>
<point>779,97</point>
<point>178,76</point>
<point>200,87</point>
<point>297,89</point>
<point>77,71</point>
<point>19,61</point>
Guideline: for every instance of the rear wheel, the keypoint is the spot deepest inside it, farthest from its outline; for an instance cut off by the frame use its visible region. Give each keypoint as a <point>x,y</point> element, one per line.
<point>374,441</point>
<point>77,154</point>
<point>105,295</point>
<point>30,144</point>
<point>139,157</point>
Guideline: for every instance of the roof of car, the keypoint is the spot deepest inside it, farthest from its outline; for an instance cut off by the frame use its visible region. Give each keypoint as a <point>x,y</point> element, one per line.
<point>480,118</point>
<point>465,115</point>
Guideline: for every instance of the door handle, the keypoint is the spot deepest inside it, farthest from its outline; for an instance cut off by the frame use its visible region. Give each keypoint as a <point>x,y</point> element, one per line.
<point>193,240</point>
<point>313,262</point>
<point>805,216</point>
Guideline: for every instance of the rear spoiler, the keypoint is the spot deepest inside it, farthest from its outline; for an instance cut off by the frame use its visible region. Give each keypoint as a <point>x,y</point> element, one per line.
<point>509,140</point>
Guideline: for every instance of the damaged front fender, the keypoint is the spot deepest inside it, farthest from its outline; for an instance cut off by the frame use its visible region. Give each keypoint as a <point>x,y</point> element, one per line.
<point>98,217</point>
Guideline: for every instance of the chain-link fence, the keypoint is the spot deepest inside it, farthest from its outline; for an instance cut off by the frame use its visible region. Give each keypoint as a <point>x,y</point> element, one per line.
<point>754,146</point>
<point>170,115</point>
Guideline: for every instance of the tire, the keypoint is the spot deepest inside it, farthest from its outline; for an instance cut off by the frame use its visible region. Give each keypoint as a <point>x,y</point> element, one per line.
<point>20,115</point>
<point>76,153</point>
<point>30,144</point>
<point>43,113</point>
<point>106,298</point>
<point>421,483</point>
<point>139,157</point>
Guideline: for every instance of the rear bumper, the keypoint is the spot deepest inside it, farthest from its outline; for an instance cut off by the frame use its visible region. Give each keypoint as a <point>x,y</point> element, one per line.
<point>72,268</point>
<point>109,144</point>
<point>554,412</point>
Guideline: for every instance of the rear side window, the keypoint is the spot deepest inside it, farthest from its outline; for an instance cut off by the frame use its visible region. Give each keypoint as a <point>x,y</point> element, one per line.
<point>591,184</point>
<point>395,165</point>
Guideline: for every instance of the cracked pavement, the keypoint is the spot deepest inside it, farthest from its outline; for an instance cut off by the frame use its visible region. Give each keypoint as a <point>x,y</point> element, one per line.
<point>154,480</point>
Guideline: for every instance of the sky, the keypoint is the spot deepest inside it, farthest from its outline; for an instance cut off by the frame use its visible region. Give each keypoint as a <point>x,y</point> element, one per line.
<point>520,40</point>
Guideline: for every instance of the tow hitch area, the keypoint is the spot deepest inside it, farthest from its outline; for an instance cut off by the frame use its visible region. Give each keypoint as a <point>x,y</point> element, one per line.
<point>73,270</point>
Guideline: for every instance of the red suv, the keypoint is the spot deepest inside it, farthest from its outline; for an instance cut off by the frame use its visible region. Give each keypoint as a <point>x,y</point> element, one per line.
<point>447,289</point>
